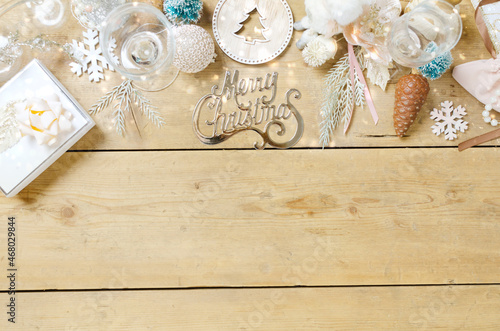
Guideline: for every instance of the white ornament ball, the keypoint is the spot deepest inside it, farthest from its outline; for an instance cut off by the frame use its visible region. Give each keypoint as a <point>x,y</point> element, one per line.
<point>488,107</point>
<point>494,122</point>
<point>494,100</point>
<point>487,119</point>
<point>486,113</point>
<point>195,49</point>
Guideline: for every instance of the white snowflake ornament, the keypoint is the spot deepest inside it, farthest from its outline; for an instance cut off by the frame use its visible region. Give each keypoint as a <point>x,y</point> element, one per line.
<point>90,57</point>
<point>449,120</point>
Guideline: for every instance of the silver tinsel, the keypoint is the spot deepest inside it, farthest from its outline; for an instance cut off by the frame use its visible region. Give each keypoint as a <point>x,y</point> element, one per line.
<point>11,47</point>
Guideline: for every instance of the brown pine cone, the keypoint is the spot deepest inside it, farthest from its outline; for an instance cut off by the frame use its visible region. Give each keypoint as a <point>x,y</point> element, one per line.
<point>411,93</point>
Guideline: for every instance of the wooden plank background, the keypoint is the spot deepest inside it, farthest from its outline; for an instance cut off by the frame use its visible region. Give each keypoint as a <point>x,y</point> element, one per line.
<point>388,308</point>
<point>162,232</point>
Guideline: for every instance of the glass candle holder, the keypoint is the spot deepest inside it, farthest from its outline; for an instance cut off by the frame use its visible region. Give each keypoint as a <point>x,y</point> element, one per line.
<point>145,45</point>
<point>432,28</point>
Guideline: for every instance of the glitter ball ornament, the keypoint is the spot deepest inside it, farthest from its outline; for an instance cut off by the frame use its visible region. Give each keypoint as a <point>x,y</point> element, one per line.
<point>183,11</point>
<point>195,49</point>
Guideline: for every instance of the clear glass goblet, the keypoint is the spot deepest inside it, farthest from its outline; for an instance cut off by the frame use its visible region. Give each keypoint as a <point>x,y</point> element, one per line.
<point>138,41</point>
<point>91,13</point>
<point>432,28</point>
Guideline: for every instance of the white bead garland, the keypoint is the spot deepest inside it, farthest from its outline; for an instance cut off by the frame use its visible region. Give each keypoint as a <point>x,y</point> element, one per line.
<point>487,109</point>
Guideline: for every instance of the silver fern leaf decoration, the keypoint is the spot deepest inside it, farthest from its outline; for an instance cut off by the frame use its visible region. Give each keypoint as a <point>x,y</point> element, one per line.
<point>125,97</point>
<point>340,97</point>
<point>346,103</point>
<point>148,109</point>
<point>357,95</point>
<point>336,78</point>
<point>359,90</point>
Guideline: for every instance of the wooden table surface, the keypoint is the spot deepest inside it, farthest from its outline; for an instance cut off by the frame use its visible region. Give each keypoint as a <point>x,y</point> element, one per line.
<point>160,232</point>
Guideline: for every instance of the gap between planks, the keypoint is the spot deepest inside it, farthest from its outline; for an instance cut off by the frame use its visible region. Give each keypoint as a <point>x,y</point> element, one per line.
<point>145,289</point>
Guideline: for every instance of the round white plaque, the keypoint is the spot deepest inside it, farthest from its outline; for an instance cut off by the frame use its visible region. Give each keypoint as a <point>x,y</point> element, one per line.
<point>253,31</point>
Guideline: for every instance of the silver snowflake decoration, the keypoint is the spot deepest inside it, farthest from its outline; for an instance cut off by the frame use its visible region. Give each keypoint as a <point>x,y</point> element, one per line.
<point>449,120</point>
<point>89,56</point>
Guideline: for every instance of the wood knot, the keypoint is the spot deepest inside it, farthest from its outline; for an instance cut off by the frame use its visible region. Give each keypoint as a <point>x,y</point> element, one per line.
<point>451,194</point>
<point>352,210</point>
<point>67,212</point>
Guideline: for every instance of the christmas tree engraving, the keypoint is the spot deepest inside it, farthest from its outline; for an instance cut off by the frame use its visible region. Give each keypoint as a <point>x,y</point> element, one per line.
<point>252,29</point>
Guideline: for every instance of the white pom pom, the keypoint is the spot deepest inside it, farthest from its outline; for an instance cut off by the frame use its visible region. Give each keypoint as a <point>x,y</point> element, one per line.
<point>320,50</point>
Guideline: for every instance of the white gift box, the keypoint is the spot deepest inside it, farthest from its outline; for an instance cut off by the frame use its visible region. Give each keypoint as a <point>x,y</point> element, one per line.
<point>26,160</point>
